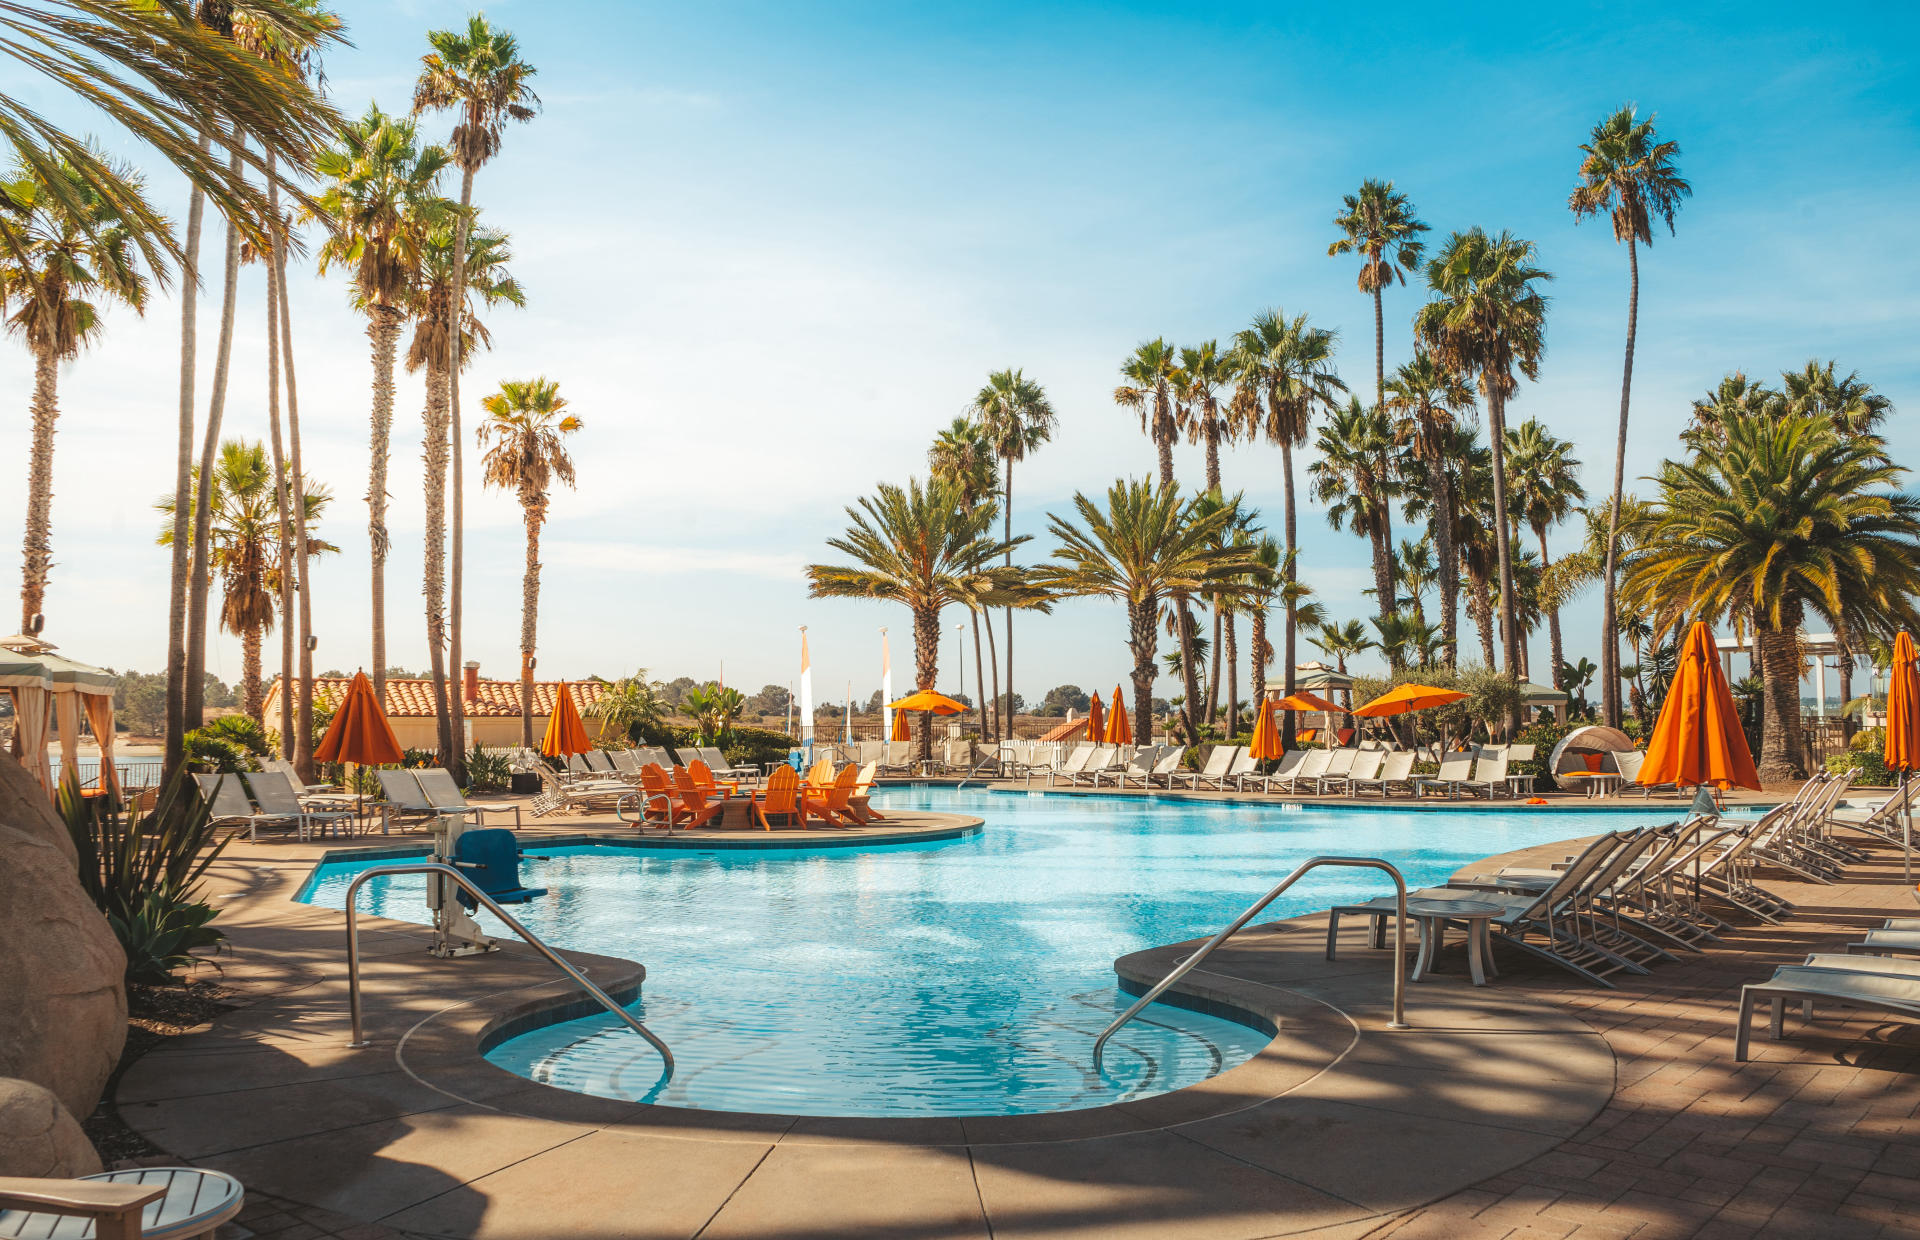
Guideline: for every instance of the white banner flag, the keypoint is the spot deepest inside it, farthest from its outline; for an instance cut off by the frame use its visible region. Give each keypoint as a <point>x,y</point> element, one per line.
<point>886,688</point>
<point>806,691</point>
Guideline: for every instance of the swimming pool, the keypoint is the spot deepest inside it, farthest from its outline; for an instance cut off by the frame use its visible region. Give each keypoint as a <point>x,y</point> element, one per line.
<point>956,977</point>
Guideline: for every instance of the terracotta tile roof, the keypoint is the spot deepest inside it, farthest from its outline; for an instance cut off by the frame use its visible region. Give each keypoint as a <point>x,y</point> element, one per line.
<point>1067,730</point>
<point>413,699</point>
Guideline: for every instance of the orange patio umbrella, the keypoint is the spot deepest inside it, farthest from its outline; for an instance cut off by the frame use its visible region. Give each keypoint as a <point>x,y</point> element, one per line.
<point>927,699</point>
<point>359,732</point>
<point>1698,739</point>
<point>901,732</point>
<point>1407,698</point>
<point>1096,720</point>
<point>1303,700</point>
<point>1118,733</point>
<point>1265,744</point>
<point>1903,731</point>
<point>566,735</point>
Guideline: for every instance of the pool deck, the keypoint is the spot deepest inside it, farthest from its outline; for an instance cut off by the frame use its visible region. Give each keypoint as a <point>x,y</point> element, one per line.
<point>1536,1107</point>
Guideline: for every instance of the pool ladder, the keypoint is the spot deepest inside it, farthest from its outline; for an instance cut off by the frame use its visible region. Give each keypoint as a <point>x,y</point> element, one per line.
<point>1193,962</point>
<point>529,937</point>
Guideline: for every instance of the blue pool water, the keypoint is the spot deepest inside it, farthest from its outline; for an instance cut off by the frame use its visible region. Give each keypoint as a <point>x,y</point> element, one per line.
<point>957,977</point>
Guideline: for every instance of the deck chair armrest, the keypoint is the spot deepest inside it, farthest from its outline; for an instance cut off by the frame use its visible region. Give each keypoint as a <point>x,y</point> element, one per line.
<point>79,1198</point>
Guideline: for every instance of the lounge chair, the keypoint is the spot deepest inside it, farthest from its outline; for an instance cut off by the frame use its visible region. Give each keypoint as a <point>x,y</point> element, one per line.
<point>1104,758</point>
<point>436,783</point>
<point>277,794</point>
<point>1628,762</point>
<point>1219,758</point>
<point>1396,771</point>
<point>1170,763</point>
<point>1877,991</point>
<point>1339,764</point>
<point>718,764</point>
<point>600,793</point>
<point>1307,774</point>
<point>1489,779</point>
<point>1283,770</point>
<point>1137,768</point>
<point>403,801</point>
<point>899,759</point>
<point>227,804</point>
<point>1365,765</point>
<point>1453,769</point>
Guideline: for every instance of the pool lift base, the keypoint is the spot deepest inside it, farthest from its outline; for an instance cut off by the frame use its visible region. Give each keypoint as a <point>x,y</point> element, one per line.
<point>454,932</point>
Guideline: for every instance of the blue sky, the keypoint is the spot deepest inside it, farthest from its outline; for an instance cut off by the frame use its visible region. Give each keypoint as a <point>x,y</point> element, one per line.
<point>770,249</point>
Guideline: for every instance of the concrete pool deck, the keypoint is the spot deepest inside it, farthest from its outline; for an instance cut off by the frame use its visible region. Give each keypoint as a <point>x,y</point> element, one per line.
<point>1340,1128</point>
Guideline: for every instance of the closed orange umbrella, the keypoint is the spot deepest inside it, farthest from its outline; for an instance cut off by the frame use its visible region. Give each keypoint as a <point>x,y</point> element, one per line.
<point>566,735</point>
<point>1698,739</point>
<point>1903,731</point>
<point>1118,733</point>
<point>359,732</point>
<point>901,732</point>
<point>1408,698</point>
<point>1265,744</point>
<point>1096,720</point>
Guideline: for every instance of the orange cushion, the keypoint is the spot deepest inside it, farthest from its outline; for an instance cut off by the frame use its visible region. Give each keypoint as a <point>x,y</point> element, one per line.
<point>1593,761</point>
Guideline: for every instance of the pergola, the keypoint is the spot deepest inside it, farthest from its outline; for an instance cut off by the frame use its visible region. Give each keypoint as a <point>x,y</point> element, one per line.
<point>51,692</point>
<point>1816,646</point>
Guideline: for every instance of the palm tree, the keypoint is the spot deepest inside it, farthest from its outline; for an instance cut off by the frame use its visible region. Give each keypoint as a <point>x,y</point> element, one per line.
<point>1783,519</point>
<point>1018,418</point>
<point>1418,573</point>
<point>1282,371</point>
<point>1487,319</point>
<point>1852,406</point>
<point>1354,478</point>
<point>1147,546</point>
<point>1202,373</point>
<point>1627,172</point>
<point>961,454</point>
<point>383,201</point>
<point>446,327</point>
<point>1149,373</point>
<point>68,254</point>
<point>526,426</point>
<point>916,546</point>
<point>1543,476</point>
<point>1427,398</point>
<point>1379,224</point>
<point>1735,397</point>
<point>1258,590</point>
<point>626,703</point>
<point>248,555</point>
<point>478,74</point>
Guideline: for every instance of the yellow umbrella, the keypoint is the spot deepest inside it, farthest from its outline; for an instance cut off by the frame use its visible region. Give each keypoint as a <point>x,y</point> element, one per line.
<point>1118,733</point>
<point>1265,744</point>
<point>566,735</point>
<point>1408,698</point>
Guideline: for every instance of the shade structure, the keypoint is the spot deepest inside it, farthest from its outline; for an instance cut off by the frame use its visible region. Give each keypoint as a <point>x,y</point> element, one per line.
<point>51,694</point>
<point>927,699</point>
<point>1118,733</point>
<point>1265,744</point>
<point>1903,707</point>
<point>1408,698</point>
<point>901,730</point>
<point>1698,739</point>
<point>1303,701</point>
<point>1539,695</point>
<point>359,732</point>
<point>1320,676</point>
<point>1096,720</point>
<point>566,735</point>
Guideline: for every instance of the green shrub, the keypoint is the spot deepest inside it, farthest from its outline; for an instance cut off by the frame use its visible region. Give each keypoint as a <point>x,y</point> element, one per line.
<point>211,754</point>
<point>755,746</point>
<point>1869,740</point>
<point>162,935</point>
<point>1867,768</point>
<point>489,772</point>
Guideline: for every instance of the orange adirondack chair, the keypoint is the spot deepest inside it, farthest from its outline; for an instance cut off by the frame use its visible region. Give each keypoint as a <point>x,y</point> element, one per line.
<point>782,798</point>
<point>702,776</point>
<point>693,800</point>
<point>820,775</point>
<point>659,809</point>
<point>829,803</point>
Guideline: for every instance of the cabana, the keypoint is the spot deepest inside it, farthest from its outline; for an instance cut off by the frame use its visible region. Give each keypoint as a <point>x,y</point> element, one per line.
<point>51,693</point>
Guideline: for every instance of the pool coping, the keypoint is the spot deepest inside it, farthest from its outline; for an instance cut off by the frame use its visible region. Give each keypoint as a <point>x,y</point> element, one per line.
<point>1313,1073</point>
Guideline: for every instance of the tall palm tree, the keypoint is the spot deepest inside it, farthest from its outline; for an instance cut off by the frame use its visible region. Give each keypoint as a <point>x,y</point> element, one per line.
<point>1148,545</point>
<point>1733,398</point>
<point>1018,418</point>
<point>1354,479</point>
<point>66,254</point>
<point>1282,371</point>
<point>478,73</point>
<point>1426,398</point>
<point>526,426</point>
<point>248,554</point>
<point>1149,374</point>
<point>1851,405</point>
<point>961,454</point>
<point>1418,573</point>
<point>1627,172</point>
<point>1259,589</point>
<point>1543,477</point>
<point>382,201</point>
<point>1783,519</point>
<point>916,546</point>
<point>1380,226</point>
<point>1201,375</point>
<point>1487,318</point>
<point>445,326</point>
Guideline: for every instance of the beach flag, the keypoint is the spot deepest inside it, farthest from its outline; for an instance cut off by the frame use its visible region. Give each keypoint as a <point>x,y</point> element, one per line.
<point>886,686</point>
<point>806,691</point>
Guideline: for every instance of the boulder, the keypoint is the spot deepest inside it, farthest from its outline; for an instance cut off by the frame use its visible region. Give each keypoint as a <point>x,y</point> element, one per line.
<point>38,1137</point>
<point>64,1018</point>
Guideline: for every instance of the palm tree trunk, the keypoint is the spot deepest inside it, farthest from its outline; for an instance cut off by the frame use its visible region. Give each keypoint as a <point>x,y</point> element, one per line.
<point>1261,654</point>
<point>1383,588</point>
<point>1012,716</point>
<point>1482,612</point>
<point>456,652</point>
<point>1609,607</point>
<point>999,703</point>
<point>1558,653</point>
<point>1213,451</point>
<point>1448,557</point>
<point>979,670</point>
<point>534,509</point>
<point>193,711</point>
<point>1143,640</point>
<point>282,512</point>
<point>1780,754</point>
<point>1509,633</point>
<point>181,565</point>
<point>1189,674</point>
<point>1232,660</point>
<point>383,329</point>
<point>1163,446</point>
<point>434,585</point>
<point>253,698</point>
<point>1213,672</point>
<point>1287,728</point>
<point>39,540</point>
<point>303,710</point>
<point>926,668</point>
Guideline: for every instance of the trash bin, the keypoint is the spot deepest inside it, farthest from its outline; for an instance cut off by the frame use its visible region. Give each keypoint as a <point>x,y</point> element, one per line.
<point>526,781</point>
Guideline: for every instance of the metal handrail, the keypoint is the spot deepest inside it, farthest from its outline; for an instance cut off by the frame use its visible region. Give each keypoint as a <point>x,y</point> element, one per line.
<point>1192,962</point>
<point>527,936</point>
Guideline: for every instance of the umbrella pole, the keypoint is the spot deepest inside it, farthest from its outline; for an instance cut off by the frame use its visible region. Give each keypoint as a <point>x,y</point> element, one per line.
<point>1906,830</point>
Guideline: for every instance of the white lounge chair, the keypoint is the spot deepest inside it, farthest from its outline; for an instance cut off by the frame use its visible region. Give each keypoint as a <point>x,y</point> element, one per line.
<point>1167,766</point>
<point>436,783</point>
<point>1365,765</point>
<point>1489,779</point>
<point>227,803</point>
<point>277,794</point>
<point>1864,987</point>
<point>1103,757</point>
<point>1453,769</point>
<point>1396,771</point>
<point>1307,774</point>
<point>1219,758</point>
<point>1137,768</point>
<point>1282,772</point>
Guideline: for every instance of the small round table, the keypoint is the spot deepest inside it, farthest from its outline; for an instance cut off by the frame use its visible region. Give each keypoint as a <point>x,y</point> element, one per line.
<point>1433,913</point>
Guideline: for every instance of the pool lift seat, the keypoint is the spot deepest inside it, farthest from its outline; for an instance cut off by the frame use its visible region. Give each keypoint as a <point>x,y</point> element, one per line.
<point>491,858</point>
